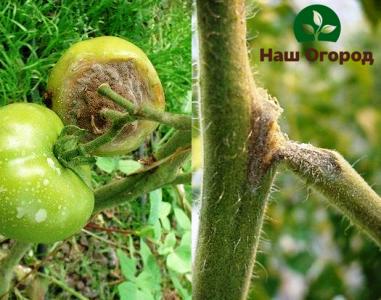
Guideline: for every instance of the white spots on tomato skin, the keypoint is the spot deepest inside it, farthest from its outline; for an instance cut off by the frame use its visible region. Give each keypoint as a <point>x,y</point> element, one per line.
<point>40,215</point>
<point>53,165</point>
<point>21,212</point>
<point>50,163</point>
<point>45,182</point>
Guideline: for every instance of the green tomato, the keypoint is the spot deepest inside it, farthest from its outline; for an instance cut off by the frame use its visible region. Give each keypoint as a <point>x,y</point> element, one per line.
<point>73,83</point>
<point>40,200</point>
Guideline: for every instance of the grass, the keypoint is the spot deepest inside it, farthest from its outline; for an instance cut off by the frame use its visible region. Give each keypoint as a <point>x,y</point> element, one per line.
<point>34,34</point>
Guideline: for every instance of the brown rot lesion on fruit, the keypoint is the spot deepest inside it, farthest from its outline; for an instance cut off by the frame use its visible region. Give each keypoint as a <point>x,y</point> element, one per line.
<point>75,81</point>
<point>86,104</point>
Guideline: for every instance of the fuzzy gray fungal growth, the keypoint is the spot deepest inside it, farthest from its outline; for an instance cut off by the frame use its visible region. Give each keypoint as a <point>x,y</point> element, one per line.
<point>334,177</point>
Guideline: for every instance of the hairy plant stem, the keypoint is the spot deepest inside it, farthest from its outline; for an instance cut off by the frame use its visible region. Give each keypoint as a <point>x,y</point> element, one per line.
<point>182,122</point>
<point>238,126</point>
<point>133,186</point>
<point>334,177</point>
<point>8,264</point>
<point>171,155</point>
<point>185,178</point>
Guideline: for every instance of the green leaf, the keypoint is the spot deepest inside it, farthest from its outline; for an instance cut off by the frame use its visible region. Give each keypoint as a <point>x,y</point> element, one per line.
<point>129,166</point>
<point>328,29</point>
<point>128,265</point>
<point>155,201</point>
<point>308,29</point>
<point>150,277</point>
<point>146,231</point>
<point>145,251</point>
<point>106,164</point>
<point>145,295</point>
<point>179,288</point>
<point>130,291</point>
<point>165,210</point>
<point>149,281</point>
<point>318,19</point>
<point>186,240</point>
<point>182,219</point>
<point>168,245</point>
<point>180,260</point>
<point>166,224</point>
<point>157,231</point>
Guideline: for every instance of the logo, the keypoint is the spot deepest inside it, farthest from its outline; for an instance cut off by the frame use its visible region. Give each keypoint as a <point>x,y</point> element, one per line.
<point>317,23</point>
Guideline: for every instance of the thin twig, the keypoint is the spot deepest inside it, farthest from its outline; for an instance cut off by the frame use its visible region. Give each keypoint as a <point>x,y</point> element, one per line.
<point>110,229</point>
<point>64,286</point>
<point>105,240</point>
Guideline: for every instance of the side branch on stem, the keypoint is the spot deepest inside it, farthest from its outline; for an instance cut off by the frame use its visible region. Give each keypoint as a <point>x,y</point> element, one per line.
<point>335,178</point>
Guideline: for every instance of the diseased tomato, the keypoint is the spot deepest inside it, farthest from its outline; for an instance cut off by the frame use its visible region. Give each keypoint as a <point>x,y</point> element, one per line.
<point>75,78</point>
<point>40,200</point>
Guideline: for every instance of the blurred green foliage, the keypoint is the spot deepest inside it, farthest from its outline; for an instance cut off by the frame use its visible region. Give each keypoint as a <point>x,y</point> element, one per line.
<point>34,34</point>
<point>309,250</point>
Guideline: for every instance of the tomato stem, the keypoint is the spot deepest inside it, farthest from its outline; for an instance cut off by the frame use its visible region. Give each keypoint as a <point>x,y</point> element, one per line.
<point>8,264</point>
<point>171,155</point>
<point>178,121</point>
<point>117,126</point>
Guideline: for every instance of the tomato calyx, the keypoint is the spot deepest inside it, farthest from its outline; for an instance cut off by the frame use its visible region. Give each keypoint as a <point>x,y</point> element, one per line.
<point>67,147</point>
<point>70,153</point>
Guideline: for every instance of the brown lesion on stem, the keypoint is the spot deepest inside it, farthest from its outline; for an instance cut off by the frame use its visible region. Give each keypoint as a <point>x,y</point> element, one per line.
<point>329,173</point>
<point>265,137</point>
<point>315,163</point>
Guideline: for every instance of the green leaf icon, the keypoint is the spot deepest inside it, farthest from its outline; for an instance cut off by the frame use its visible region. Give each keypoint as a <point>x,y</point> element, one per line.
<point>317,23</point>
<point>308,29</point>
<point>318,19</point>
<point>328,29</point>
